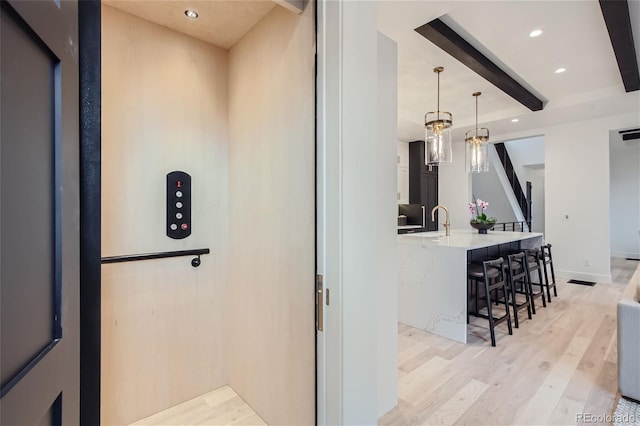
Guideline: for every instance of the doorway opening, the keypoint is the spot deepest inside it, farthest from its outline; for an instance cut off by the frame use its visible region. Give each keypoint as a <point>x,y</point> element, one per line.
<point>624,201</point>
<point>526,158</point>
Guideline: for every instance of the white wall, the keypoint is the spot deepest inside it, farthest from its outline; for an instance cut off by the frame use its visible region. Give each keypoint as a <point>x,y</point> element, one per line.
<point>358,213</point>
<point>624,171</point>
<point>387,267</point>
<point>271,347</point>
<point>454,189</point>
<point>576,184</point>
<point>360,232</point>
<point>403,172</point>
<point>164,108</point>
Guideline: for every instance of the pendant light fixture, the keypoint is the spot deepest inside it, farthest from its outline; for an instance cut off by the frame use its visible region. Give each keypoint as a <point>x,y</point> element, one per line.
<point>437,133</point>
<point>477,141</point>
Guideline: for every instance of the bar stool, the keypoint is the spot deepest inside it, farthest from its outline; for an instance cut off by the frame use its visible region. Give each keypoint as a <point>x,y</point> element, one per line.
<point>533,264</point>
<point>491,275</point>
<point>517,277</point>
<point>547,259</point>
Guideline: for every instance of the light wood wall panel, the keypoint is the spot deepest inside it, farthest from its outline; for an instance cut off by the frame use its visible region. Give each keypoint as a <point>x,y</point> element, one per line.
<point>164,108</point>
<point>271,177</point>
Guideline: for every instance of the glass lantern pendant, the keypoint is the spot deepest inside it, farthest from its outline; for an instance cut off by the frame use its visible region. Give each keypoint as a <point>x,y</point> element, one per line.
<point>477,146</point>
<point>438,133</point>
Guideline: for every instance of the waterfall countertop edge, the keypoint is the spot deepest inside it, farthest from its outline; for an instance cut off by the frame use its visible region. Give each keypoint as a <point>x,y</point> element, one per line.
<point>465,238</point>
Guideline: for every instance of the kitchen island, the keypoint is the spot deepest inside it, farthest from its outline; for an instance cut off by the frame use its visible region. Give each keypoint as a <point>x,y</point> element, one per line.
<point>432,275</point>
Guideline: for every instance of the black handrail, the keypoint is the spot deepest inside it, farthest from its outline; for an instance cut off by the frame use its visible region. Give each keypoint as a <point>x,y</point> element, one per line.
<point>161,255</point>
<point>513,225</point>
<point>529,199</point>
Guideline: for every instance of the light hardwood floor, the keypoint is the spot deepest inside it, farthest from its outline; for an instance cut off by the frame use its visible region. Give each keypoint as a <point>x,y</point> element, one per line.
<point>220,407</point>
<point>556,365</point>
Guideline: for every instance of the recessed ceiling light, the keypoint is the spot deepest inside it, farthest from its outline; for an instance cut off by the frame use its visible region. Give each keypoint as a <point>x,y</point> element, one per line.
<point>535,33</point>
<point>560,70</point>
<point>191,13</point>
<point>515,120</point>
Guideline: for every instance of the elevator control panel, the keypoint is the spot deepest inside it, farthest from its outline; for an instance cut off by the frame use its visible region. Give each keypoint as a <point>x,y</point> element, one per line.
<point>178,205</point>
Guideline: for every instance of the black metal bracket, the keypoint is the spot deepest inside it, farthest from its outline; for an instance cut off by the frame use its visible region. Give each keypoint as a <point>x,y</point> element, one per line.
<point>195,262</point>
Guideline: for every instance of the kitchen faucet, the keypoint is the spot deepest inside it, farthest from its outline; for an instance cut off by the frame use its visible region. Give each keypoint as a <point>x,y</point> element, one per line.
<point>446,223</point>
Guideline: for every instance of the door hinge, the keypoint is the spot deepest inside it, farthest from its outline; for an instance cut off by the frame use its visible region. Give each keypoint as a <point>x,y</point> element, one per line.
<point>319,304</point>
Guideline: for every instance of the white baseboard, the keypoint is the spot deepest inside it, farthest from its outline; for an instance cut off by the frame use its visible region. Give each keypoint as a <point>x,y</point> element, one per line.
<point>598,278</point>
<point>625,255</point>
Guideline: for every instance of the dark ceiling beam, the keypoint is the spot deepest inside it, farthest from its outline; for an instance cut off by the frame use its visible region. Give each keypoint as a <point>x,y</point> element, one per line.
<point>451,42</point>
<point>630,136</point>
<point>616,17</point>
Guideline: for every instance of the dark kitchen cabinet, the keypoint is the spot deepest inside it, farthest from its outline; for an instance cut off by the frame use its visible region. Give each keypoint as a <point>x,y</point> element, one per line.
<point>423,183</point>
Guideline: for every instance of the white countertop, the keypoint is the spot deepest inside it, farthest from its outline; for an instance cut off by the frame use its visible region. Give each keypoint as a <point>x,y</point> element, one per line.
<point>465,238</point>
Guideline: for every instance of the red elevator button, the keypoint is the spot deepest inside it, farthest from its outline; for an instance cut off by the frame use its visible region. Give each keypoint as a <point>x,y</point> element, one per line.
<point>184,226</point>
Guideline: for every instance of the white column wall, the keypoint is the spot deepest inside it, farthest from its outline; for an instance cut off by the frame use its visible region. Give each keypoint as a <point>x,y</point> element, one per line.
<point>403,172</point>
<point>357,233</point>
<point>386,218</point>
<point>454,189</point>
<point>361,212</point>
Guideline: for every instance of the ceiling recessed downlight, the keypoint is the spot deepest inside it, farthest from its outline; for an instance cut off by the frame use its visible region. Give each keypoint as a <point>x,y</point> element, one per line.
<point>515,120</point>
<point>191,13</point>
<point>560,70</point>
<point>535,33</point>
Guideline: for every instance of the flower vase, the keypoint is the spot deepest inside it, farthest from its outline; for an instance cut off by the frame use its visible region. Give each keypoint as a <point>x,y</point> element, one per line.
<point>482,227</point>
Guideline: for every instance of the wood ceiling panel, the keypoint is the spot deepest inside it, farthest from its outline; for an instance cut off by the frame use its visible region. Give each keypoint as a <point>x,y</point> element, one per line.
<point>220,22</point>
